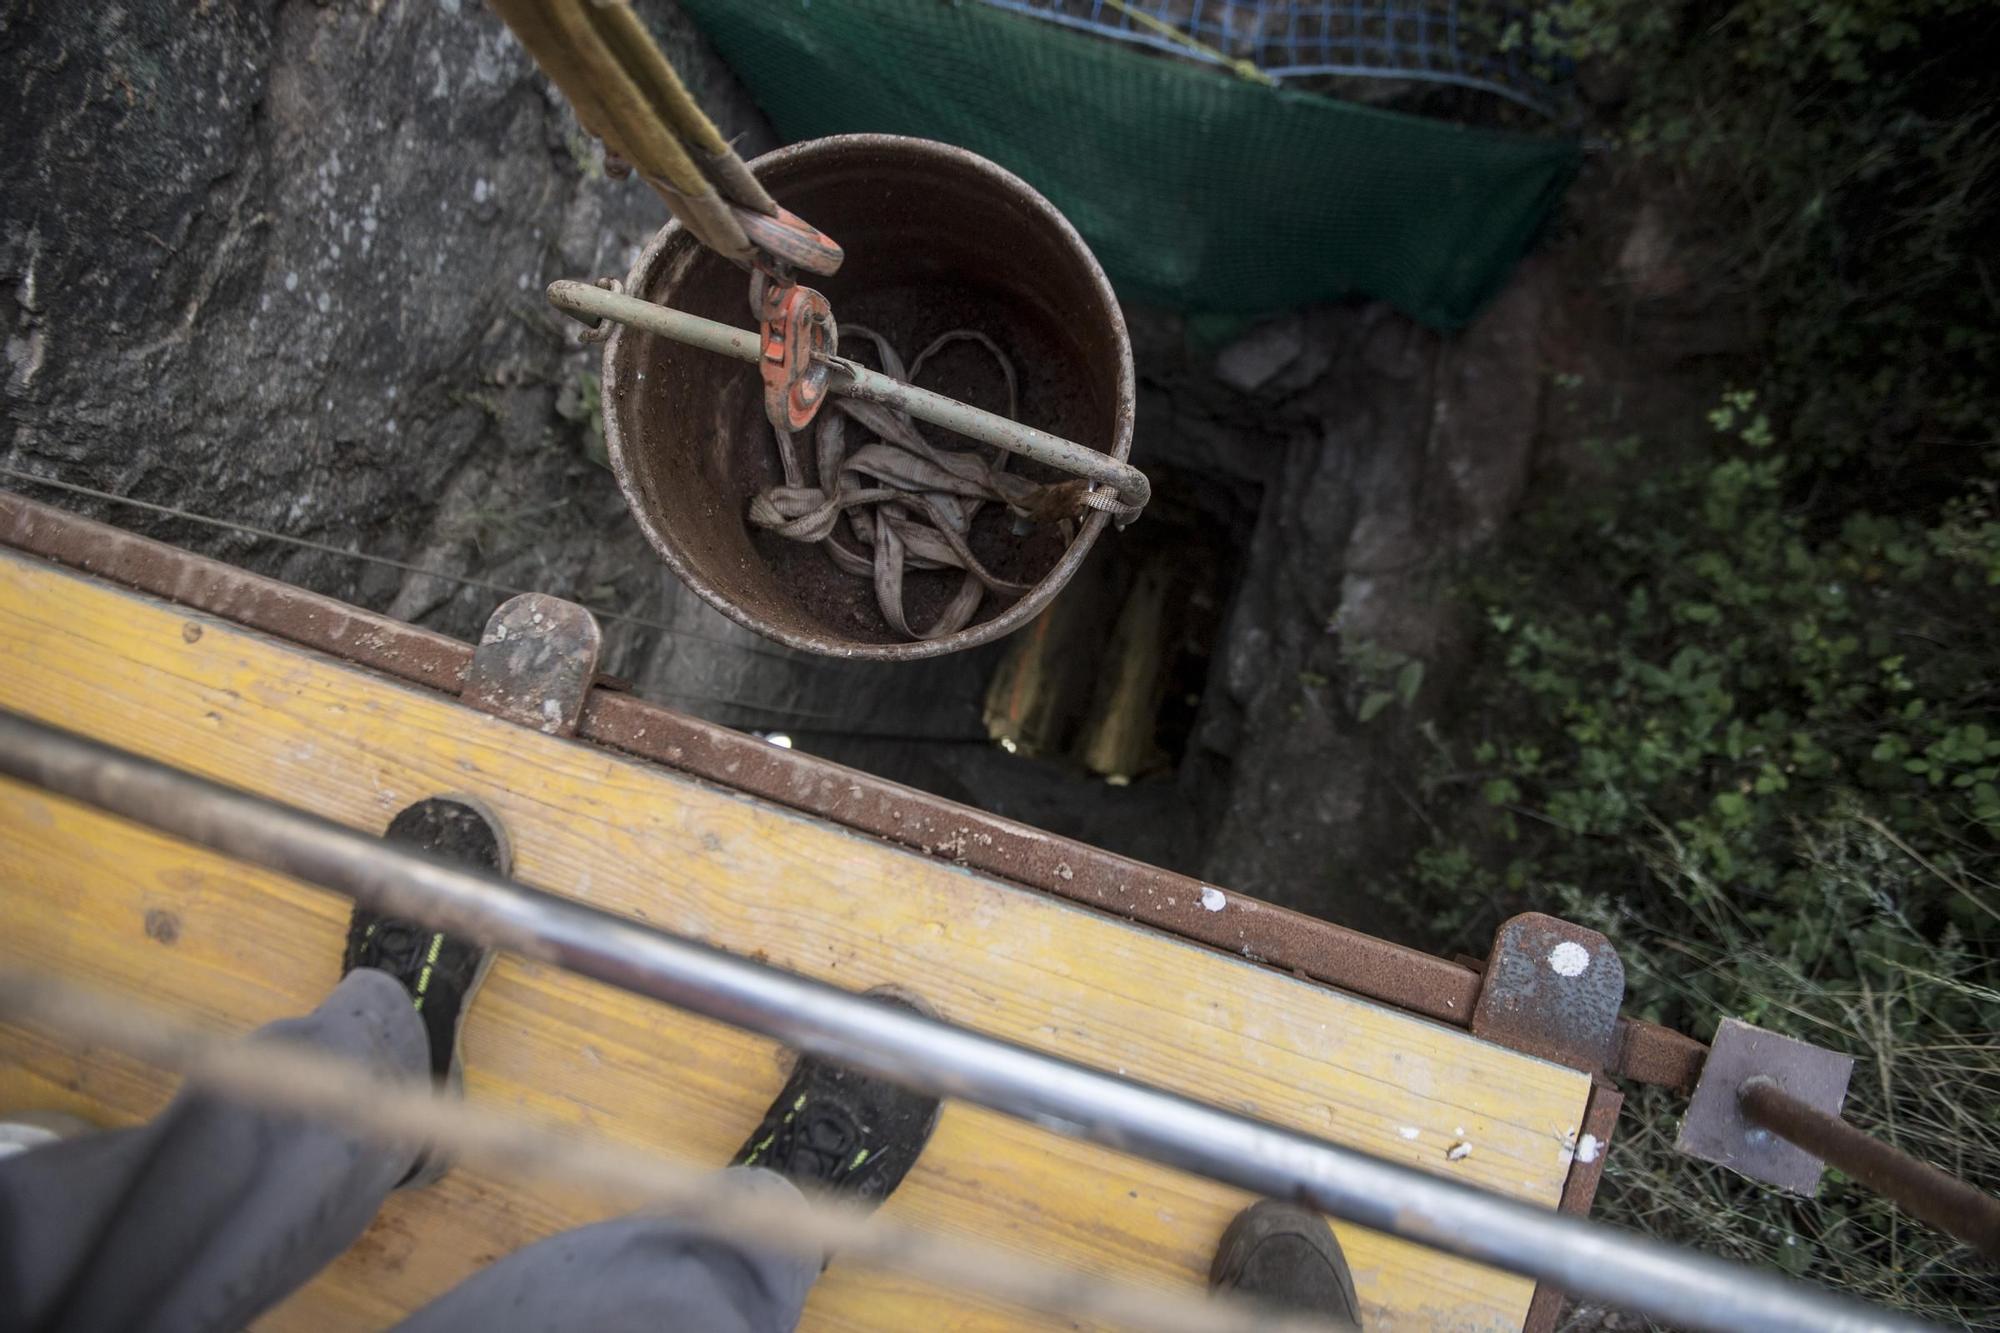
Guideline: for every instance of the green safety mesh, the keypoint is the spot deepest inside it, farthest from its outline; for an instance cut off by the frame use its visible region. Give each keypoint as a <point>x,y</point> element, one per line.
<point>1198,190</point>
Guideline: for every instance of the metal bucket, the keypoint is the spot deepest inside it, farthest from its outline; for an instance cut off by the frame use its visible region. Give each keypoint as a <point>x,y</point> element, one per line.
<point>936,239</point>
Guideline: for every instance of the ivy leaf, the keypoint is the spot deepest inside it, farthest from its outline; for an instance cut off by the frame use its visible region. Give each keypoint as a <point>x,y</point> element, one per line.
<point>1409,680</point>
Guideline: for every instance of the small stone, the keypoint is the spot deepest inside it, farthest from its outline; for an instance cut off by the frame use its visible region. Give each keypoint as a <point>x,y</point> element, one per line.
<point>1252,360</point>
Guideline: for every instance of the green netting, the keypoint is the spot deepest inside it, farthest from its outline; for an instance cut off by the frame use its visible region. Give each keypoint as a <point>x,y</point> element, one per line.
<point>1198,190</point>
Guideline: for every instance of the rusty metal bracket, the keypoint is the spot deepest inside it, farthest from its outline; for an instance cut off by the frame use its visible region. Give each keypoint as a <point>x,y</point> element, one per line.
<point>1551,989</point>
<point>604,327</point>
<point>1715,1128</point>
<point>535,663</point>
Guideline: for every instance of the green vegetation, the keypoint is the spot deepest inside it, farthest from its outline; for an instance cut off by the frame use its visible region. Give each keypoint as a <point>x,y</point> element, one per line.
<point>1738,701</point>
<point>582,401</point>
<point>1379,677</point>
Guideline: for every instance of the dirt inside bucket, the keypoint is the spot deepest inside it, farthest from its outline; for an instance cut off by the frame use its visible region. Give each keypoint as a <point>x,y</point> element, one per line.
<point>1051,398</point>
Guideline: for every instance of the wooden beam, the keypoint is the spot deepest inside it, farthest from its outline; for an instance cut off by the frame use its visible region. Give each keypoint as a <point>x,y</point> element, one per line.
<point>178,927</point>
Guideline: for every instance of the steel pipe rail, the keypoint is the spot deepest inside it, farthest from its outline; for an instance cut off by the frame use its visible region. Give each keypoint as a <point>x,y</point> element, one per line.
<point>1584,1258</point>
<point>586,301</point>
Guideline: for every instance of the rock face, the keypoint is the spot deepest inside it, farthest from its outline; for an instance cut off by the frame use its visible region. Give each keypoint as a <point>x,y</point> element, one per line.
<point>1405,456</point>
<point>281,264</point>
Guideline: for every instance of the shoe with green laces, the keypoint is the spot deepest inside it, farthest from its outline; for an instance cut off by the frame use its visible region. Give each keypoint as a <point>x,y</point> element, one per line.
<point>842,1131</point>
<point>441,972</point>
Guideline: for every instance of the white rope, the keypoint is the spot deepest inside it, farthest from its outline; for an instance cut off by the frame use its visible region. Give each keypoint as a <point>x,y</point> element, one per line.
<point>303,1080</point>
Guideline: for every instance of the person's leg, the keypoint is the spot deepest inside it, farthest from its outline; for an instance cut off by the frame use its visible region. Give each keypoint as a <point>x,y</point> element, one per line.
<point>636,1274</point>
<point>1286,1256</point>
<point>832,1129</point>
<point>213,1211</point>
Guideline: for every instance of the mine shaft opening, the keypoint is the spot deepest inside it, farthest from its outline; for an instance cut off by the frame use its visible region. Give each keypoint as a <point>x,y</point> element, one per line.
<point>1090,718</point>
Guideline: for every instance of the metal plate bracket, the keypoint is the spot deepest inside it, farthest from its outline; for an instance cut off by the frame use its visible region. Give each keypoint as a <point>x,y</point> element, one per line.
<point>1714,1128</point>
<point>1551,989</point>
<point>534,663</point>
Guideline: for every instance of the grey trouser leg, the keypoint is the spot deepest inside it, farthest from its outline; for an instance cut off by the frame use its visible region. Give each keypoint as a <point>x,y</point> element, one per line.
<point>212,1211</point>
<point>638,1274</point>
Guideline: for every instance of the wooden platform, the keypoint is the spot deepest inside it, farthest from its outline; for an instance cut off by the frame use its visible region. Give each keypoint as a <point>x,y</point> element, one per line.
<point>204,936</point>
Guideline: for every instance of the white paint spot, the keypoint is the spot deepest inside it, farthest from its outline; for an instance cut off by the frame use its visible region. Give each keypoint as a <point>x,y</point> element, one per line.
<point>779,739</point>
<point>551,710</point>
<point>1587,1148</point>
<point>1214,899</point>
<point>1409,1132</point>
<point>1569,959</point>
<point>482,190</point>
<point>1458,1152</point>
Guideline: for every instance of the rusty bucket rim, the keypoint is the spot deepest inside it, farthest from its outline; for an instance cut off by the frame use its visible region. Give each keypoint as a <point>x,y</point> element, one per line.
<point>1037,598</point>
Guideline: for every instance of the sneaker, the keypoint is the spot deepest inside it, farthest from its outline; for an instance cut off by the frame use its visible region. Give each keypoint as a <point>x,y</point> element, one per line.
<point>843,1131</point>
<point>1285,1256</point>
<point>442,972</point>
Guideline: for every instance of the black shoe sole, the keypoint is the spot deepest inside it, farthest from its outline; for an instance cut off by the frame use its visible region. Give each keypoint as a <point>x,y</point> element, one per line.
<point>433,1166</point>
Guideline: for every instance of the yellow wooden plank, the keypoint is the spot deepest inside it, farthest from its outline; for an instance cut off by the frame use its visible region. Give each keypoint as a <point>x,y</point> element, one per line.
<point>175,926</point>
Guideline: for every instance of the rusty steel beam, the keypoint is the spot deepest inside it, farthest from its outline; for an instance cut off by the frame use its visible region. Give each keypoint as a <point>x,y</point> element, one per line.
<point>1586,1169</point>
<point>1320,950</point>
<point>1390,973</point>
<point>392,647</point>
<point>1649,1053</point>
